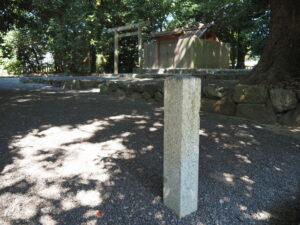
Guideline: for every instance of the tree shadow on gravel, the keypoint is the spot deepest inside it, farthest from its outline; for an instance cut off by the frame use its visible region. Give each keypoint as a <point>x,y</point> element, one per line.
<point>287,212</point>
<point>68,155</point>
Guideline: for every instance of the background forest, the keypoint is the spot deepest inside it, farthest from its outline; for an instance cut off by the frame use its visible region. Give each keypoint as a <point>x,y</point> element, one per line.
<point>70,36</point>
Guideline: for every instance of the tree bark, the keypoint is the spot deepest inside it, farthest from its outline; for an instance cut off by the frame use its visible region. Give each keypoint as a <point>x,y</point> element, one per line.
<point>38,66</point>
<point>93,59</point>
<point>232,56</point>
<point>241,58</point>
<point>240,52</point>
<point>281,54</point>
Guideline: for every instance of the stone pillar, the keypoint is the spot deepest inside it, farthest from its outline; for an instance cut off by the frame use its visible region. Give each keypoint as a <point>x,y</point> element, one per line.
<point>181,143</point>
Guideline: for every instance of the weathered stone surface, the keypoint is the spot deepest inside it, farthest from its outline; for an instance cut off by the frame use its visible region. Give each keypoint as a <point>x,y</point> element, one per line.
<point>67,84</point>
<point>108,87</point>
<point>298,95</point>
<point>113,86</point>
<point>160,85</point>
<point>146,95</point>
<point>150,88</point>
<point>282,99</point>
<point>138,87</point>
<point>75,85</point>
<point>181,143</point>
<point>119,93</point>
<point>125,85</point>
<point>88,84</point>
<point>250,94</point>
<point>223,106</point>
<point>291,118</point>
<point>158,96</point>
<point>214,91</point>
<point>104,89</point>
<point>58,83</point>
<point>128,91</point>
<point>136,96</point>
<point>257,112</point>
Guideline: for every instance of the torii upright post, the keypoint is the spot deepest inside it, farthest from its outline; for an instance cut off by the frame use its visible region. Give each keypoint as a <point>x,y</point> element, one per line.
<point>116,53</point>
<point>140,43</point>
<point>137,26</point>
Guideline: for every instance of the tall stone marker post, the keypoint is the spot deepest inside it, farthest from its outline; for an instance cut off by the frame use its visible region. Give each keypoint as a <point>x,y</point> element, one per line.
<point>181,143</point>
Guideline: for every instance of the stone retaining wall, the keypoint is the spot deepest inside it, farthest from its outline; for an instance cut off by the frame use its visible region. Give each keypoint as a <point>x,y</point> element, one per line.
<point>252,102</point>
<point>149,90</point>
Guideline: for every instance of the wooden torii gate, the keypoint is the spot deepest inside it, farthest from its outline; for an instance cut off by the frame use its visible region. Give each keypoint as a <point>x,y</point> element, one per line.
<point>137,26</point>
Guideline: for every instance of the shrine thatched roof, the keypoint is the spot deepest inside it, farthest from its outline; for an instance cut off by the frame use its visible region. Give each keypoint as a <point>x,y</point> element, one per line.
<point>184,32</point>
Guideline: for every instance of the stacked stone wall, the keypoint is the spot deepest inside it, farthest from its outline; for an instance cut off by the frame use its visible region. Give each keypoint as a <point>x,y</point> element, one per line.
<point>265,105</point>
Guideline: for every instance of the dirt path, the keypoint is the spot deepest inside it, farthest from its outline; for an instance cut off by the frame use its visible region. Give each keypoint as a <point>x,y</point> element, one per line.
<point>66,155</point>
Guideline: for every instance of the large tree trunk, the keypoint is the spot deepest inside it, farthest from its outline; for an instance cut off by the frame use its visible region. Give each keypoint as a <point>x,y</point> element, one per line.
<point>280,60</point>
<point>38,65</point>
<point>241,58</point>
<point>240,52</point>
<point>93,59</point>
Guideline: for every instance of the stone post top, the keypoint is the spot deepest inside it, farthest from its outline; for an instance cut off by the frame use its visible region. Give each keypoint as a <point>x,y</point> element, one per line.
<point>180,77</point>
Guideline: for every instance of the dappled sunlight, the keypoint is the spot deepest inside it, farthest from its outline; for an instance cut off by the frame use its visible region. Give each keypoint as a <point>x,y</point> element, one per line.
<point>247,180</point>
<point>24,204</point>
<point>203,133</point>
<point>110,158</point>
<point>277,168</point>
<point>245,169</point>
<point>23,100</point>
<point>243,158</point>
<point>156,126</point>
<point>89,198</point>
<point>242,207</point>
<point>51,191</point>
<point>295,130</point>
<point>229,141</point>
<point>57,169</point>
<point>226,178</point>
<point>147,149</point>
<point>260,215</point>
<point>47,220</point>
<point>68,202</point>
<point>52,158</point>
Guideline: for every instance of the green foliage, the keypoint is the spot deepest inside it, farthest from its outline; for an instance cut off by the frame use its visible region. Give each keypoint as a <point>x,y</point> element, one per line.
<point>22,50</point>
<point>259,33</point>
<point>242,23</point>
<point>75,32</point>
<point>14,13</point>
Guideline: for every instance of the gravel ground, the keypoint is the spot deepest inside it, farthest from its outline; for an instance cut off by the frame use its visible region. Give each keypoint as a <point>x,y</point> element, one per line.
<point>66,155</point>
<point>64,78</point>
<point>13,83</point>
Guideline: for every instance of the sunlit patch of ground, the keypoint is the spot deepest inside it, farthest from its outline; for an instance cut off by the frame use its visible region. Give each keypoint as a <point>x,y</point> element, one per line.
<point>47,159</point>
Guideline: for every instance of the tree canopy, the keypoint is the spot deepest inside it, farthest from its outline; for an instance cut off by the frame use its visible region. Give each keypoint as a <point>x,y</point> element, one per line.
<point>75,34</point>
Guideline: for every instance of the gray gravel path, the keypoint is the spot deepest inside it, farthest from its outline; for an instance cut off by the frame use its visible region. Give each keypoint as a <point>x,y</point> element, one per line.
<point>66,155</point>
<point>13,83</point>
